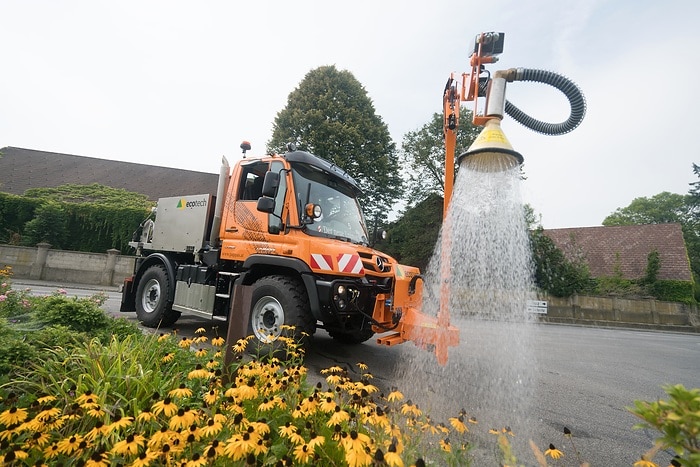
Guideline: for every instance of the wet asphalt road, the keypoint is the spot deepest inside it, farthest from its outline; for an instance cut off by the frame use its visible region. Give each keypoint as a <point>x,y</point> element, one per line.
<point>585,379</point>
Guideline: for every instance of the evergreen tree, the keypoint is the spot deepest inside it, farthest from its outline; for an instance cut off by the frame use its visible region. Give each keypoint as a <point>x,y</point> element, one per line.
<point>330,115</point>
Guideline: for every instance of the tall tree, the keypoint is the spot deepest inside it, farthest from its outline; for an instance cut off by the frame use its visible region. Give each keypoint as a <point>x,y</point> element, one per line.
<point>423,155</point>
<point>330,115</point>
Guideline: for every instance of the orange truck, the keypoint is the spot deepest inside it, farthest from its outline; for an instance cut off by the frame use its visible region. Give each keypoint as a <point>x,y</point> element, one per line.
<point>289,226</point>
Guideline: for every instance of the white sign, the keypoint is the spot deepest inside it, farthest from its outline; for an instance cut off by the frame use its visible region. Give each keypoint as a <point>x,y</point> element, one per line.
<point>537,306</point>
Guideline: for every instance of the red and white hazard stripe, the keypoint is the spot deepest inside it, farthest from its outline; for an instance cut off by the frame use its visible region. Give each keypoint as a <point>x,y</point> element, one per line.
<point>350,263</point>
<point>323,262</point>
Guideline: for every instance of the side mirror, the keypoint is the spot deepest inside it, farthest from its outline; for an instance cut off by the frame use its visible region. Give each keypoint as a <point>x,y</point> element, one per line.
<point>270,184</point>
<point>266,204</point>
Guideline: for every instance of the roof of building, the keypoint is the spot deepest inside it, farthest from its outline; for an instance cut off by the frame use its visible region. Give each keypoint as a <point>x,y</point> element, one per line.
<point>22,169</point>
<point>625,248</point>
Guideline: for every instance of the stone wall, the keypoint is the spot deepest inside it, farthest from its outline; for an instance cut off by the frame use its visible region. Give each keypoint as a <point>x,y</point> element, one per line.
<point>614,311</point>
<point>73,267</point>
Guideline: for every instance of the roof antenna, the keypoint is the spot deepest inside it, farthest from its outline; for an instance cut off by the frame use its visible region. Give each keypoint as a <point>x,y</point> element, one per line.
<point>245,145</point>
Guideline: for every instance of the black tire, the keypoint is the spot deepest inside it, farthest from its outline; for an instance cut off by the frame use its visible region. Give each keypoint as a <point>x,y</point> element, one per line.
<point>355,337</point>
<point>152,307</point>
<point>279,307</point>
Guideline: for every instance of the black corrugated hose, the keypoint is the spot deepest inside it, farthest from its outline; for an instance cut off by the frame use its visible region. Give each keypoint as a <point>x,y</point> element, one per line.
<point>570,90</point>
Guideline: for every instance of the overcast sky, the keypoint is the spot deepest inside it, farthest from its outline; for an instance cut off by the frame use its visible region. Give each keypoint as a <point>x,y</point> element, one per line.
<point>180,84</point>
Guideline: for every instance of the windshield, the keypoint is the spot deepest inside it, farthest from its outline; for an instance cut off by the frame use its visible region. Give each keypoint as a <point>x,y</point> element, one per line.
<point>341,216</point>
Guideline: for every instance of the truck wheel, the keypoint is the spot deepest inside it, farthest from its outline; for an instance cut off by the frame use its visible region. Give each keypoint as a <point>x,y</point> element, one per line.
<point>152,307</point>
<point>355,337</point>
<point>280,307</point>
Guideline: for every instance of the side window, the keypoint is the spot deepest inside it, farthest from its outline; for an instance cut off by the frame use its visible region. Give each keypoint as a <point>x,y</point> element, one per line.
<point>275,218</point>
<point>250,185</point>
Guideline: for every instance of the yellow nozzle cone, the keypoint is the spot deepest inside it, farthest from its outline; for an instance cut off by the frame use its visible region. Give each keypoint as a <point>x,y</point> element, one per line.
<point>491,151</point>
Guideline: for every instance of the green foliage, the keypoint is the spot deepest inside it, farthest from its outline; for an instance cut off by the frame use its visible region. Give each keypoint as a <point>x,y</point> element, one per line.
<point>653,266</point>
<point>95,194</point>
<point>330,115</point>
<point>678,421</point>
<point>50,225</point>
<point>81,315</point>
<point>422,155</point>
<point>673,291</point>
<point>553,272</point>
<point>15,212</point>
<point>411,239</point>
<point>91,218</point>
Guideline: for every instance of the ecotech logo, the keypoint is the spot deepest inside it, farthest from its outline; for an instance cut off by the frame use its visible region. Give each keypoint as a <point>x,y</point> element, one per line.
<point>191,204</point>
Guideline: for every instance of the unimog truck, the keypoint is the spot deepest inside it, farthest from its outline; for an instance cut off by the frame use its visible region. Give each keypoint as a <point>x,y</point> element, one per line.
<point>290,227</point>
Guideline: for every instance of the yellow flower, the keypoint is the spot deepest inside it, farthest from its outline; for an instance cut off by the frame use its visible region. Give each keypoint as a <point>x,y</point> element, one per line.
<point>211,364</point>
<point>333,369</point>
<point>218,341</point>
<point>51,451</point>
<point>185,343</point>
<point>181,391</point>
<point>212,428</point>
<point>130,445</point>
<point>168,357</point>
<point>46,399</point>
<point>239,346</point>
<point>445,445</point>
<point>163,337</point>
<point>211,397</point>
<point>145,458</point>
<point>99,430</point>
<point>394,396</point>
<point>200,331</point>
<point>363,366</point>
<point>303,453</point>
<point>553,452</point>
<point>145,416</point>
<point>316,440</point>
<point>198,372</point>
<point>120,422</point>
<point>458,424</point>
<point>13,415</point>
<point>182,419</point>
<point>166,406</point>
<point>69,445</point>
<point>96,411</point>
<point>98,459</point>
<point>201,353</point>
<point>642,463</point>
<point>338,417</point>
<point>410,409</point>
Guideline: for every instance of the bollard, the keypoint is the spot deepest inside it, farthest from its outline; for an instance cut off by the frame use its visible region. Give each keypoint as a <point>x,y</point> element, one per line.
<point>238,318</point>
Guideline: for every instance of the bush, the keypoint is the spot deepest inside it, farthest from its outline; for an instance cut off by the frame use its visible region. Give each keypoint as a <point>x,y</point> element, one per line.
<point>82,315</point>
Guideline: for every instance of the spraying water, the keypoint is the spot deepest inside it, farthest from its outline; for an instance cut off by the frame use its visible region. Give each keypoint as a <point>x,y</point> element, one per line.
<point>482,261</point>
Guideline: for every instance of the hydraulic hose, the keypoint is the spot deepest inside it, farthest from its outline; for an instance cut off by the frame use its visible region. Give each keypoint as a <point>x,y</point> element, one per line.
<point>572,92</point>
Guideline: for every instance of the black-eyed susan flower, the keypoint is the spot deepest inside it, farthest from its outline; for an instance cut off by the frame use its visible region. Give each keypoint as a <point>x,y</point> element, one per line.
<point>69,445</point>
<point>394,396</point>
<point>145,458</point>
<point>211,397</point>
<point>48,413</point>
<point>303,453</point>
<point>212,364</point>
<point>100,429</point>
<point>408,408</point>
<point>181,391</point>
<point>198,372</point>
<point>362,366</point>
<point>166,407</point>
<point>201,353</point>
<point>168,357</point>
<point>98,459</point>
<point>213,450</point>
<point>46,399</point>
<point>119,422</point>
<point>196,461</point>
<point>240,345</point>
<point>51,450</point>
<point>13,416</point>
<point>145,415</point>
<point>183,419</point>
<point>236,447</point>
<point>218,341</point>
<point>163,337</point>
<point>458,424</point>
<point>445,445</point>
<point>643,463</point>
<point>339,416</point>
<point>212,428</point>
<point>185,343</point>
<point>316,440</point>
<point>95,411</point>
<point>553,452</point>
<point>129,446</point>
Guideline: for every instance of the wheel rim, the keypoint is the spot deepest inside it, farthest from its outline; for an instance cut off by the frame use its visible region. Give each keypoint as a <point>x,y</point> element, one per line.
<point>267,319</point>
<point>151,296</point>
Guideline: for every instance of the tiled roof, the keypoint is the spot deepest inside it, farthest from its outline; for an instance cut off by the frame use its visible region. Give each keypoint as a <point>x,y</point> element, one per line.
<point>21,169</point>
<point>626,248</point>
